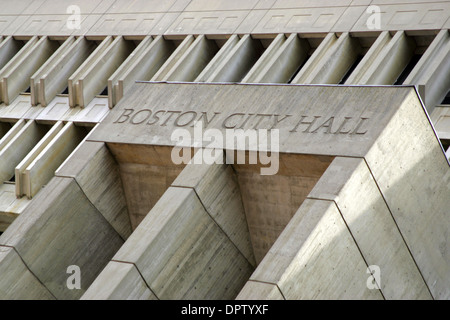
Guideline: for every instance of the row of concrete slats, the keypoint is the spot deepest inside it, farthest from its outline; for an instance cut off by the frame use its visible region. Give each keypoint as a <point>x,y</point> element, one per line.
<point>116,63</point>
<point>31,152</point>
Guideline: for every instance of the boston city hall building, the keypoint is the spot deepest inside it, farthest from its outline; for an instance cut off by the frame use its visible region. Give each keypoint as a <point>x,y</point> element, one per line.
<point>226,149</point>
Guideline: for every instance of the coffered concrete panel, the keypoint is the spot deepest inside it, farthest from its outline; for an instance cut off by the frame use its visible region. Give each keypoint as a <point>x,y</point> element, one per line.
<point>309,20</point>
<point>207,22</point>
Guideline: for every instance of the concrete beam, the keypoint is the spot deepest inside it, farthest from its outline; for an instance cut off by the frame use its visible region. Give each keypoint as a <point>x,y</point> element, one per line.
<point>282,64</point>
<point>161,74</point>
<point>349,183</point>
<point>316,241</point>
<point>239,61</point>
<point>67,230</point>
<point>185,254</point>
<point>192,62</point>
<point>15,75</point>
<point>42,168</point>
<point>52,78</point>
<point>432,71</point>
<point>142,64</point>
<point>125,283</point>
<point>22,180</point>
<point>18,147</point>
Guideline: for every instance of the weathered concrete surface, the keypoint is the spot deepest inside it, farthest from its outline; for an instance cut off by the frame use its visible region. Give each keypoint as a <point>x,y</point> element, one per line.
<point>17,282</point>
<point>146,173</point>
<point>327,120</point>
<point>218,189</point>
<point>124,283</point>
<point>270,201</point>
<point>349,183</point>
<point>182,253</point>
<point>413,175</point>
<point>97,174</point>
<point>191,242</point>
<point>315,257</point>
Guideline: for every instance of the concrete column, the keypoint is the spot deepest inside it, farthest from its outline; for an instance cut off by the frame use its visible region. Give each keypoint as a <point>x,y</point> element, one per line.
<point>51,79</point>
<point>21,179</point>
<point>15,75</point>
<point>142,64</point>
<point>91,77</point>
<point>238,62</point>
<point>282,63</point>
<point>315,242</point>
<point>330,61</point>
<point>218,58</point>
<point>42,168</point>
<point>432,71</point>
<point>161,74</point>
<point>192,62</point>
<point>197,245</point>
<point>386,59</point>
<point>18,147</point>
<point>58,229</point>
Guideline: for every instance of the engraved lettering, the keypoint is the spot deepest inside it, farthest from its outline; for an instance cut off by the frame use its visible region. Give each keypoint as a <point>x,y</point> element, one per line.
<point>147,115</point>
<point>310,123</point>
<point>327,124</point>
<point>358,127</point>
<point>342,126</point>
<point>261,117</point>
<point>225,124</point>
<point>277,121</point>
<point>245,121</point>
<point>126,115</point>
<point>192,114</point>
<point>171,113</point>
<point>155,117</point>
<point>207,121</point>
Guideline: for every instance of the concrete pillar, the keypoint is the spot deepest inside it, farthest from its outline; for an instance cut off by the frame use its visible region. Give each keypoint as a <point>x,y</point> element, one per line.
<point>432,71</point>
<point>41,168</point>
<point>92,76</point>
<point>18,147</point>
<point>21,179</point>
<point>331,60</point>
<point>51,79</point>
<point>161,74</point>
<point>218,58</point>
<point>281,63</point>
<point>238,62</point>
<point>316,241</point>
<point>142,64</point>
<point>185,254</point>
<point>386,60</point>
<point>15,75</point>
<point>192,62</point>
